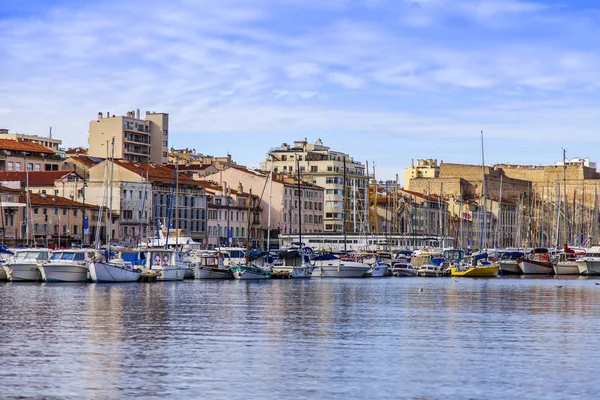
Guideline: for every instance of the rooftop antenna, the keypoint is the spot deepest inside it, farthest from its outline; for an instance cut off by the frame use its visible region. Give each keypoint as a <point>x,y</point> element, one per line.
<point>50,134</point>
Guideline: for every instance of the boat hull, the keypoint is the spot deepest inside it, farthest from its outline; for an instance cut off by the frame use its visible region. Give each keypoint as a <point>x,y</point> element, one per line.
<point>64,273</point>
<point>340,270</point>
<point>212,273</point>
<point>23,273</point>
<point>533,267</point>
<point>301,272</point>
<point>589,267</point>
<point>404,272</point>
<point>476,272</point>
<point>510,268</point>
<point>566,268</point>
<point>171,273</point>
<point>105,272</point>
<point>376,271</point>
<point>245,273</point>
<point>3,274</point>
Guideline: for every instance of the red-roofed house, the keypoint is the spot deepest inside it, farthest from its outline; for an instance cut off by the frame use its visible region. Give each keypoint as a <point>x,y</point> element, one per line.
<point>17,155</point>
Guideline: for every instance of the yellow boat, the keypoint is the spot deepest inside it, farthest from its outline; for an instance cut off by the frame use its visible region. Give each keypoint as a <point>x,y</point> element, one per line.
<point>488,271</point>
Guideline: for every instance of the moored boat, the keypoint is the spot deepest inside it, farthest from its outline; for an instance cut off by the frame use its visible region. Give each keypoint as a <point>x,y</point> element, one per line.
<point>250,272</point>
<point>67,266</point>
<point>590,263</point>
<point>210,265</point>
<point>330,266</point>
<point>538,263</point>
<point>166,263</point>
<point>23,267</point>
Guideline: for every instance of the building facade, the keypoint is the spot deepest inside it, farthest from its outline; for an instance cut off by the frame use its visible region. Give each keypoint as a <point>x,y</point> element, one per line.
<point>323,167</point>
<point>137,140</point>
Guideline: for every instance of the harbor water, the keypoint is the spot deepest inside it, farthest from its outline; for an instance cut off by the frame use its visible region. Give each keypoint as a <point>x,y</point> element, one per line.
<point>384,338</point>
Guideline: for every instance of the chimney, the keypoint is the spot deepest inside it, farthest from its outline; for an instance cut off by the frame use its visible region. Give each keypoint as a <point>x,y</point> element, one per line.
<point>137,113</point>
<point>225,188</point>
<point>240,188</point>
<point>100,115</point>
<point>107,114</point>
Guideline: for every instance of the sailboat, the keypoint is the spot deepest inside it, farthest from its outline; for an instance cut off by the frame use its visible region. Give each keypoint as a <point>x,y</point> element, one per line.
<point>249,271</point>
<point>105,269</point>
<point>330,266</point>
<point>478,266</point>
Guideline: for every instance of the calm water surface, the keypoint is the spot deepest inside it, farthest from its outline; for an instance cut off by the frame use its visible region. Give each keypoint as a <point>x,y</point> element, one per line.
<point>348,339</point>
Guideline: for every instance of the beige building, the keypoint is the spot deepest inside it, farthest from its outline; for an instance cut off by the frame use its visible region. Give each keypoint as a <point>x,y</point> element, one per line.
<point>424,169</point>
<point>18,155</point>
<point>137,140</point>
<point>48,142</point>
<point>324,167</point>
<point>281,197</point>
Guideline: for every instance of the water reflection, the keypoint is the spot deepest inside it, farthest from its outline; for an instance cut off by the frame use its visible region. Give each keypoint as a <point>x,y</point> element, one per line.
<point>384,338</point>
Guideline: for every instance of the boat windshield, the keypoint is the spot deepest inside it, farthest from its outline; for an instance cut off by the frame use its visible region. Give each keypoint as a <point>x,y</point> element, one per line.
<point>56,256</point>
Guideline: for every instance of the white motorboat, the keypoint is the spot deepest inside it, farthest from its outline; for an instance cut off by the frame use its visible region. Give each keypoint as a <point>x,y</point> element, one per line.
<point>590,263</point>
<point>430,270</point>
<point>377,270</point>
<point>209,265</point>
<point>67,266</point>
<point>250,272</point>
<point>167,263</point>
<point>294,262</point>
<point>329,266</point>
<point>433,268</point>
<point>23,267</point>
<point>402,267</point>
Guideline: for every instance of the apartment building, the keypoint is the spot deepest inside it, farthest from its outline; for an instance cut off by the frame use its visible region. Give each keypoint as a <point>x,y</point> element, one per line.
<point>49,142</point>
<point>324,167</point>
<point>136,139</point>
<point>20,155</point>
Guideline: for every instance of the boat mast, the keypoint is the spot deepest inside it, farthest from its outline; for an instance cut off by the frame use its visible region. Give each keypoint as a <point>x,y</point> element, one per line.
<point>112,171</point>
<point>565,216</point>
<point>270,202</point>
<point>170,211</point>
<point>176,217</point>
<point>481,236</point>
<point>249,227</point>
<point>344,203</point>
<point>299,204</point>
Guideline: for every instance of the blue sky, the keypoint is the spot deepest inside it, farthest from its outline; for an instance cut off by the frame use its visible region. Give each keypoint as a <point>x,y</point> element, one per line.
<point>384,80</point>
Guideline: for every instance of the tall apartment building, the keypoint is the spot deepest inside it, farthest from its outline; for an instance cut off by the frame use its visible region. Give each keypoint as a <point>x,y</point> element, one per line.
<point>137,140</point>
<point>324,167</point>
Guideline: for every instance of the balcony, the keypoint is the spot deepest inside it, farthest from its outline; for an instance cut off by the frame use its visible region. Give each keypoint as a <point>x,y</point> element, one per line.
<point>138,150</point>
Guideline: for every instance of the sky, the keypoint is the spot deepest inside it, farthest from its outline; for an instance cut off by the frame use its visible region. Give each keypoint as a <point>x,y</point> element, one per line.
<point>386,81</point>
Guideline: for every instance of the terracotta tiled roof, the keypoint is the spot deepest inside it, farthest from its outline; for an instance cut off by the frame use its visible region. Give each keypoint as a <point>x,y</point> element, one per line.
<point>8,189</point>
<point>160,173</point>
<point>14,145</point>
<point>85,160</point>
<point>77,150</point>
<point>36,178</point>
<point>432,197</point>
<point>37,199</point>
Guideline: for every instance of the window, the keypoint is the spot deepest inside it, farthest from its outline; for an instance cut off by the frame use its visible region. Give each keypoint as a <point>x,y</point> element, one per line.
<point>35,210</point>
<point>140,193</point>
<point>165,143</point>
<point>165,154</point>
<point>29,166</point>
<point>17,166</point>
<point>165,133</point>
<point>75,212</point>
<point>10,166</point>
<point>64,211</point>
<point>314,168</point>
